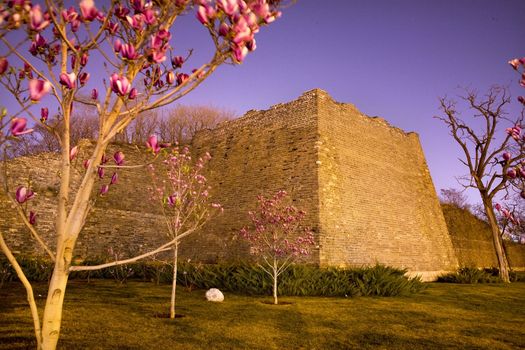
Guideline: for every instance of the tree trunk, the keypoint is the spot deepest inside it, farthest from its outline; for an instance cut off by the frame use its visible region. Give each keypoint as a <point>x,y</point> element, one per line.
<point>275,301</point>
<point>497,241</point>
<point>174,283</point>
<point>55,297</point>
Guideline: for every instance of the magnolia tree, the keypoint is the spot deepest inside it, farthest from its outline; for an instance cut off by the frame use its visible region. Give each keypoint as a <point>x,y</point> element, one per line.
<point>122,57</point>
<point>276,236</point>
<point>181,189</point>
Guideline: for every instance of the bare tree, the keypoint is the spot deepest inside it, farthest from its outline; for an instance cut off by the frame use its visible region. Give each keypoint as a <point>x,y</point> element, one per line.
<point>181,123</point>
<point>176,125</point>
<point>454,197</point>
<point>483,153</point>
<point>45,138</point>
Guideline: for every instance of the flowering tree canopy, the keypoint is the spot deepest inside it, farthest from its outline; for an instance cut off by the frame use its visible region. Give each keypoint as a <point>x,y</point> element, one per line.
<point>117,58</point>
<point>181,189</point>
<point>276,236</point>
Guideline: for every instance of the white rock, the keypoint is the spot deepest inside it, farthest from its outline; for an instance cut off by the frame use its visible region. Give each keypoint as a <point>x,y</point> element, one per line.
<point>215,295</point>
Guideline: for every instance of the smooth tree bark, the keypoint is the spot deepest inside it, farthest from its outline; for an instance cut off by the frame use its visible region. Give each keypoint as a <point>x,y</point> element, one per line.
<point>174,281</point>
<point>486,154</point>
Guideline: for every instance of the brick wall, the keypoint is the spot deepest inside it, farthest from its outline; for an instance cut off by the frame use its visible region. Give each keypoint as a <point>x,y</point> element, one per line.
<point>364,184</point>
<point>472,240</point>
<point>377,199</point>
<point>124,219</point>
<point>260,153</point>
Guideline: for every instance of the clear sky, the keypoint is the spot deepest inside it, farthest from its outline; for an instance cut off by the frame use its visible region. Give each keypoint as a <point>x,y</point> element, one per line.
<point>390,58</point>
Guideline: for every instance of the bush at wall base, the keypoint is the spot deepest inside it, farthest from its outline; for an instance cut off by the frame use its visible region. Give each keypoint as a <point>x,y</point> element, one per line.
<point>244,278</point>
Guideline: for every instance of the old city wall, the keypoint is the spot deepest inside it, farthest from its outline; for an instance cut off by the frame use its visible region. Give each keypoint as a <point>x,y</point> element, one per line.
<point>377,200</point>
<point>472,240</point>
<point>124,219</point>
<point>364,184</point>
<point>260,153</point>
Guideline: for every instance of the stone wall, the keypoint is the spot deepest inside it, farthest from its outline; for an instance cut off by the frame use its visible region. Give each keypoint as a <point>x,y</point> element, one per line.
<point>472,240</point>
<point>260,153</point>
<point>124,219</point>
<point>364,184</point>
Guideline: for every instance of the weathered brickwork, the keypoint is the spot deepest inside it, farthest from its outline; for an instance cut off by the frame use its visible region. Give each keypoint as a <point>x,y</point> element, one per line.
<point>364,184</point>
<point>472,241</point>
<point>260,153</point>
<point>124,219</point>
<point>378,203</point>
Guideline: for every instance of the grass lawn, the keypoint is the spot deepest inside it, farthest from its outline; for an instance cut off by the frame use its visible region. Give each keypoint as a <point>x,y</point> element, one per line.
<point>103,315</point>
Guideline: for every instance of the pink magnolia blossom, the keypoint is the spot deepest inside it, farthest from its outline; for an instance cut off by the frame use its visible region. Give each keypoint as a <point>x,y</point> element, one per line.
<point>18,127</point>
<point>117,45</point>
<point>119,84</point>
<point>515,63</point>
<point>104,189</point>
<point>153,144</point>
<point>73,153</point>
<point>44,114</point>
<point>83,78</point>
<point>119,157</point>
<point>114,179</point>
<point>157,50</point>
<point>4,64</point>
<point>94,94</point>
<point>507,156</point>
<point>133,94</point>
<point>239,53</point>
<point>512,173</point>
<point>69,15</point>
<point>84,59</point>
<point>242,31</point>
<point>101,172</point>
<point>38,45</point>
<point>177,61</point>
<point>23,194</point>
<point>128,52</point>
<point>251,45</point>
<point>172,200</point>
<point>68,80</point>
<point>205,13</point>
<point>32,217</point>
<point>112,27</point>
<point>164,34</point>
<point>88,10</point>
<point>136,21</point>
<point>38,89</point>
<point>37,20</point>
<point>224,29</point>
<point>182,78</point>
<point>86,163</point>
<point>229,7</point>
<point>170,77</point>
<point>149,17</point>
<point>121,11</point>
<point>138,5</point>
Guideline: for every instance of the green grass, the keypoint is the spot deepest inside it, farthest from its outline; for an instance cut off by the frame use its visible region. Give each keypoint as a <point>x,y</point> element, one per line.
<point>102,315</point>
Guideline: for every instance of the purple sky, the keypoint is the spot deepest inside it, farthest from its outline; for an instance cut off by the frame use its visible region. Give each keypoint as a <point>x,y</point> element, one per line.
<point>391,58</point>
